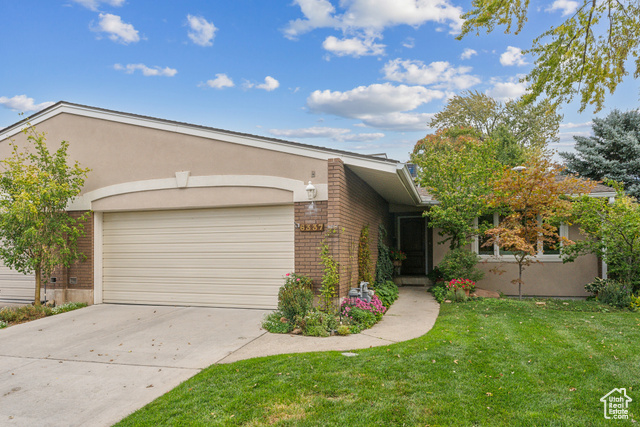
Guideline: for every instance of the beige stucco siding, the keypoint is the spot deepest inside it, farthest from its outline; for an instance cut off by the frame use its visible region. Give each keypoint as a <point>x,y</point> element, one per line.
<point>540,279</point>
<point>120,153</point>
<point>193,198</point>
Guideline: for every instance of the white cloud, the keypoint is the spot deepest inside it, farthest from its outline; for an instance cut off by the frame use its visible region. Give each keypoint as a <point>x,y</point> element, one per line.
<point>575,125</point>
<point>513,56</point>
<point>317,13</point>
<point>371,100</point>
<point>566,6</point>
<point>22,103</point>
<point>468,53</point>
<point>94,4</point>
<point>352,46</point>
<point>440,73</point>
<point>372,16</point>
<point>147,71</point>
<point>409,43</point>
<point>336,134</point>
<point>117,30</point>
<point>202,32</point>
<point>269,84</point>
<point>382,106</point>
<point>220,82</point>
<point>506,91</point>
<point>398,121</point>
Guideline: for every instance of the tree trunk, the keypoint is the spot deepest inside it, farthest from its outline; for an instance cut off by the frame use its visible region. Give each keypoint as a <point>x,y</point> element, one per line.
<point>520,281</point>
<point>38,282</point>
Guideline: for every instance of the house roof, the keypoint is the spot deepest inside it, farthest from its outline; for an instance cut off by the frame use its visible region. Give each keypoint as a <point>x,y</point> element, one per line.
<point>390,178</point>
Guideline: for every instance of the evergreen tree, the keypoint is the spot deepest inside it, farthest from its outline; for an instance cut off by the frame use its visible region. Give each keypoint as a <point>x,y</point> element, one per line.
<point>613,152</point>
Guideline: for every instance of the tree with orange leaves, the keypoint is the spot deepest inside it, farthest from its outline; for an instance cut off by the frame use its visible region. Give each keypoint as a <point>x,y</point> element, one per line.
<point>532,201</point>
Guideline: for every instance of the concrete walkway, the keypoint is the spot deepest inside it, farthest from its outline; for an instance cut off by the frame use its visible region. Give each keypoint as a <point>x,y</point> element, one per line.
<point>411,316</point>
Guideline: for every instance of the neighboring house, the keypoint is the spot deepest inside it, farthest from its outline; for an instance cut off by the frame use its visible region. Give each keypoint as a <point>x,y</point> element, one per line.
<point>192,215</point>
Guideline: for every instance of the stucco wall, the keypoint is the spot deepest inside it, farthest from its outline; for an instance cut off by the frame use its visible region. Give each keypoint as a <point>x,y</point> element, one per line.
<point>120,153</point>
<point>540,279</point>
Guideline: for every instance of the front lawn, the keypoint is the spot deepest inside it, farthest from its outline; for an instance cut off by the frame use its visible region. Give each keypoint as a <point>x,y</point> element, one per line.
<point>486,363</point>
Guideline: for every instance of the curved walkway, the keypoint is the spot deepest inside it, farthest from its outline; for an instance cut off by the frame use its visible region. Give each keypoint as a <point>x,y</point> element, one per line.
<point>411,316</point>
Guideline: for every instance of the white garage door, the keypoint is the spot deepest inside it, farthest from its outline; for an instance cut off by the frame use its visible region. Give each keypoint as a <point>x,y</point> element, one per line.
<point>231,257</point>
<point>16,287</point>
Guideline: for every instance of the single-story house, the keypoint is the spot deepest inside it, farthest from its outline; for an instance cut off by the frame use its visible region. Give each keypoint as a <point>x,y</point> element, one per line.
<point>191,215</point>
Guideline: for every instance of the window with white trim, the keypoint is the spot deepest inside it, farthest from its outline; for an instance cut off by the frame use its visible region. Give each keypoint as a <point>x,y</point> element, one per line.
<point>545,250</point>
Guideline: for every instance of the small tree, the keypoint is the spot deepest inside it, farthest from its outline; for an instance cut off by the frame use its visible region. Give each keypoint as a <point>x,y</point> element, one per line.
<point>458,169</point>
<point>36,186</point>
<point>364,257</point>
<point>532,202</point>
<point>613,234</point>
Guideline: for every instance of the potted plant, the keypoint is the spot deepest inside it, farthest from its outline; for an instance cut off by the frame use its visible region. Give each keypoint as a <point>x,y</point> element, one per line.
<point>466,285</point>
<point>397,257</point>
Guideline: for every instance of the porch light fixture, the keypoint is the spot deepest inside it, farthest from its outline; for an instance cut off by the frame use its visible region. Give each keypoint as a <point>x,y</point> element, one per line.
<point>311,191</point>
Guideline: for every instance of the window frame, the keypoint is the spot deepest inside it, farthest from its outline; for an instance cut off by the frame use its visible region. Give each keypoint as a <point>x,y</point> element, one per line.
<point>563,231</point>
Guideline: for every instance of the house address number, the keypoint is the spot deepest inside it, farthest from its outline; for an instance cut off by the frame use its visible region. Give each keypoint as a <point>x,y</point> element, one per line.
<point>311,227</point>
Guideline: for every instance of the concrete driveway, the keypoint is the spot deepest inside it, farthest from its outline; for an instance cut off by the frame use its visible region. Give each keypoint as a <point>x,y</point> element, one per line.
<point>94,366</point>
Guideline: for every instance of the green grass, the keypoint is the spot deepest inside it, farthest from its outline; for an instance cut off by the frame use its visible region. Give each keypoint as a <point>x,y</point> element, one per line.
<point>485,363</point>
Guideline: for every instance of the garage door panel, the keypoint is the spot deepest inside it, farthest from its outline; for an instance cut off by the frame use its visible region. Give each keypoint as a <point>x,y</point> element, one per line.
<point>15,286</point>
<point>192,237</point>
<point>231,257</point>
<point>209,263</point>
<point>198,248</point>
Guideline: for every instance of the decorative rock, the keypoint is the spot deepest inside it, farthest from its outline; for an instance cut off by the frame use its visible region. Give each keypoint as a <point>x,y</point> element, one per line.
<point>541,303</point>
<point>349,354</point>
<point>296,331</point>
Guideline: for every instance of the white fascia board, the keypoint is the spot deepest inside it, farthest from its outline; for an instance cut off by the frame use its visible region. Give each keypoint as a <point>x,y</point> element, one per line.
<point>186,129</point>
<point>407,181</point>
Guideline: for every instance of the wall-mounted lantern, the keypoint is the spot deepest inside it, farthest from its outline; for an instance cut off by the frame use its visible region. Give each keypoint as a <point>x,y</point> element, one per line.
<point>311,191</point>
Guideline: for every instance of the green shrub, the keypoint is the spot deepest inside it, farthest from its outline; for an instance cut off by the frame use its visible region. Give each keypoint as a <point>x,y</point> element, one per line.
<point>343,330</point>
<point>384,265</point>
<point>615,294</point>
<point>70,306</point>
<point>435,276</point>
<point>3,324</point>
<point>24,313</point>
<point>460,295</point>
<point>295,297</point>
<point>273,322</point>
<point>439,293</point>
<point>635,303</point>
<point>460,263</point>
<point>318,324</point>
<point>387,292</point>
<point>596,286</point>
<point>362,318</point>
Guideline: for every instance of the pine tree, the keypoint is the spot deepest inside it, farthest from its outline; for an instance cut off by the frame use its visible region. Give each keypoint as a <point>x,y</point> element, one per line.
<point>613,152</point>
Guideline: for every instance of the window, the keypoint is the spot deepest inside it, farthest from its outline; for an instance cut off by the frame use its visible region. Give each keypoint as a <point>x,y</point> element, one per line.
<point>486,222</point>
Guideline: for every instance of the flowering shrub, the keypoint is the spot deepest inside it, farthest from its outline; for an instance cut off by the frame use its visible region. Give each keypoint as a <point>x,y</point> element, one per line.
<point>397,255</point>
<point>295,297</point>
<point>464,284</point>
<point>375,307</point>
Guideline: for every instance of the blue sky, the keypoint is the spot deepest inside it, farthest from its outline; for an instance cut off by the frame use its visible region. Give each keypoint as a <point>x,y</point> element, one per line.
<point>356,75</point>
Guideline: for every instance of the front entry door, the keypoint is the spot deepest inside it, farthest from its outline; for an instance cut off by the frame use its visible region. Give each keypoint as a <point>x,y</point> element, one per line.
<point>412,243</point>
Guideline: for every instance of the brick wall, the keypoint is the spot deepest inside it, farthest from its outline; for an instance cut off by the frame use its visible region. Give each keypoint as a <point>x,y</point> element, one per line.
<point>307,244</point>
<point>352,205</point>
<point>82,270</point>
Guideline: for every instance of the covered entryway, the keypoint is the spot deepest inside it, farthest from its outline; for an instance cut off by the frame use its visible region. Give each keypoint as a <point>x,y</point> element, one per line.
<point>16,287</point>
<point>225,257</point>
